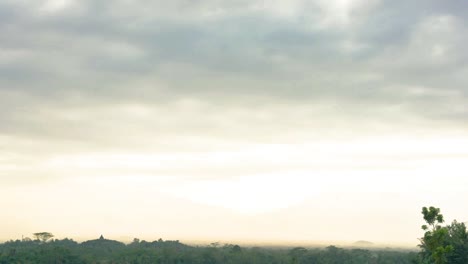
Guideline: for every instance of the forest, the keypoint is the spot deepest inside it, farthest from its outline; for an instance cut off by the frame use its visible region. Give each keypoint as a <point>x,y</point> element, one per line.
<point>439,244</point>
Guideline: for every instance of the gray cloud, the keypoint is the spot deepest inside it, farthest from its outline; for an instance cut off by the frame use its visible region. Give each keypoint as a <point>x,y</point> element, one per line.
<point>387,63</point>
<point>248,105</point>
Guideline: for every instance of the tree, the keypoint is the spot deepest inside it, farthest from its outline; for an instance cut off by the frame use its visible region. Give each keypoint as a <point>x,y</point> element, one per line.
<point>43,236</point>
<point>458,238</point>
<point>433,217</point>
<point>434,243</point>
<point>296,254</point>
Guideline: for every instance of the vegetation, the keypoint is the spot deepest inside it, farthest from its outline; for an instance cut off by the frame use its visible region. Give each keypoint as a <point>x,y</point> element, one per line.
<point>173,252</point>
<point>442,244</point>
<point>439,245</point>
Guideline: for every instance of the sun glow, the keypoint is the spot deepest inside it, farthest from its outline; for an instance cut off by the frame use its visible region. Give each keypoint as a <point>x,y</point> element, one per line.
<point>262,178</point>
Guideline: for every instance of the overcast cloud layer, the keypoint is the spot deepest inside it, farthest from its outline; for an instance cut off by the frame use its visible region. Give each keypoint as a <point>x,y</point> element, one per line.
<point>207,101</point>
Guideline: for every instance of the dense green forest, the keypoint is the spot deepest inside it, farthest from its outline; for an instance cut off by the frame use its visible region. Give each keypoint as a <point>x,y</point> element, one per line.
<point>110,251</point>
<point>440,244</point>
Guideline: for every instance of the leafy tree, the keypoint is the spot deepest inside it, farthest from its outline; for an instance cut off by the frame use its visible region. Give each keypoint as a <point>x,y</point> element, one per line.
<point>43,236</point>
<point>433,217</point>
<point>296,254</point>
<point>435,243</point>
<point>458,239</point>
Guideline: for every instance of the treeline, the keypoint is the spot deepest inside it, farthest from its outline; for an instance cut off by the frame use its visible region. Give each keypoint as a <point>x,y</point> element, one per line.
<point>173,252</point>
<point>439,245</point>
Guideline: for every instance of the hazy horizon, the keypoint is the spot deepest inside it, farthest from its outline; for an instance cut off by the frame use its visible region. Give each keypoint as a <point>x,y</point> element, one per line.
<point>232,120</point>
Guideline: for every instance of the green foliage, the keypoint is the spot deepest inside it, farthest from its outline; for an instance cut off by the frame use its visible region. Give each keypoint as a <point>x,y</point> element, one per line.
<point>442,244</point>
<point>43,236</point>
<point>106,251</point>
<point>458,239</point>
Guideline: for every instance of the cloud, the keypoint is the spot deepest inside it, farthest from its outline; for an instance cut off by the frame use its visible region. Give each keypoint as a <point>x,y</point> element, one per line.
<point>335,107</point>
<point>84,77</point>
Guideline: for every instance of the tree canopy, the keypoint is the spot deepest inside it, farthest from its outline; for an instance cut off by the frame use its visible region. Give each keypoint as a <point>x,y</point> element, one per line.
<point>442,244</point>
<point>43,236</point>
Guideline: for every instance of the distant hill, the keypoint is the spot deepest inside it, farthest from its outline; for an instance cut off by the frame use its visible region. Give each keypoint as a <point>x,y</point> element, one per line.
<point>103,243</point>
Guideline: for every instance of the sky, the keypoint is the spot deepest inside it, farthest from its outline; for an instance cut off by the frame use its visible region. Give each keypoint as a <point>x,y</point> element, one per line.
<point>273,121</point>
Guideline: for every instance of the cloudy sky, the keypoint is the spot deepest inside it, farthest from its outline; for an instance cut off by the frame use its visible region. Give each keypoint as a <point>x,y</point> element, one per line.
<point>232,120</point>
